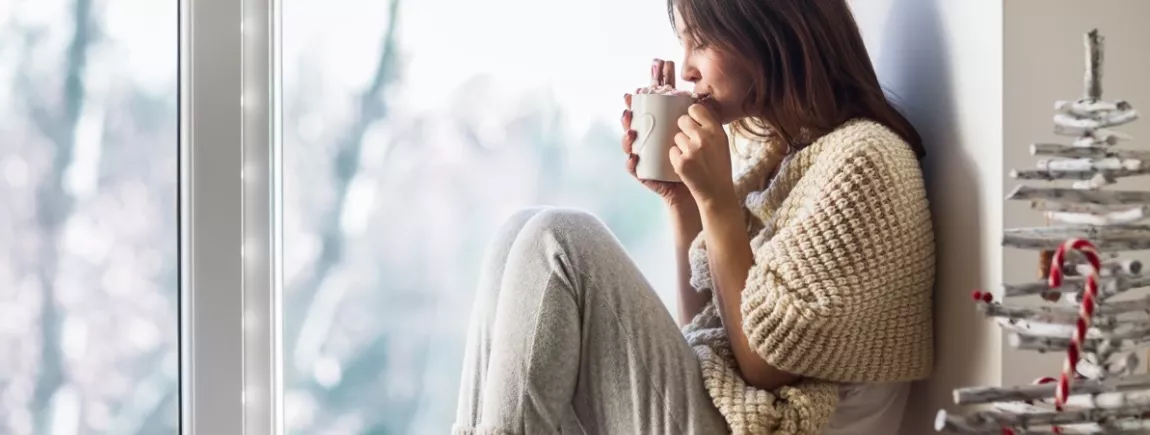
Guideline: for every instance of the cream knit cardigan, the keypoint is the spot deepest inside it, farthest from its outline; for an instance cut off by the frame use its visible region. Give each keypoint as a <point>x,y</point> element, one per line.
<point>840,290</point>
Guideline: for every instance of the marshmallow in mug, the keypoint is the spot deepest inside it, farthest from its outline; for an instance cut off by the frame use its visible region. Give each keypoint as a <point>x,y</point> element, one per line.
<point>667,90</point>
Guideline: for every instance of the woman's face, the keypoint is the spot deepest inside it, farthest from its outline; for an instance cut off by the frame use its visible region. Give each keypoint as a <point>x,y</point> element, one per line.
<point>714,73</point>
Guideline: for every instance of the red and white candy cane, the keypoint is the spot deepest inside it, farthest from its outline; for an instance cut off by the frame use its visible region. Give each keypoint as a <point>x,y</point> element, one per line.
<point>1085,315</point>
<point>1085,310</point>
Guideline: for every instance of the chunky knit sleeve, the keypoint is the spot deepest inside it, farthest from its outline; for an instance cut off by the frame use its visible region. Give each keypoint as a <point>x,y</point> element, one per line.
<point>842,291</point>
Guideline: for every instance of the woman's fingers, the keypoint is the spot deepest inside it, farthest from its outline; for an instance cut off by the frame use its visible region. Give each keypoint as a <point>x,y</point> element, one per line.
<point>627,100</point>
<point>669,73</point>
<point>628,140</point>
<point>657,72</point>
<point>632,162</point>
<point>627,120</point>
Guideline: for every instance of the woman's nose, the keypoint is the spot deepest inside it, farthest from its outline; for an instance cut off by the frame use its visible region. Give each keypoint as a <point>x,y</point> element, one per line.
<point>690,74</point>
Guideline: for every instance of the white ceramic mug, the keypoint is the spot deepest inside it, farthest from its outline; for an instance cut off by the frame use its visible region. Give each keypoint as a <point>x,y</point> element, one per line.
<point>656,120</point>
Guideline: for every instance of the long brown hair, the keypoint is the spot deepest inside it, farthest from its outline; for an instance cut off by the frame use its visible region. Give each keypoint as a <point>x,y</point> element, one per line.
<point>809,68</point>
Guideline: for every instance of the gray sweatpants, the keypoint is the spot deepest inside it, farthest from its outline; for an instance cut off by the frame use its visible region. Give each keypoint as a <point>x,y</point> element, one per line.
<point>567,335</point>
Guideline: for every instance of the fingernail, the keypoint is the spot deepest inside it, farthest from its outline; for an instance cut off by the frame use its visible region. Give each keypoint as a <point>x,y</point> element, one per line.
<point>631,134</point>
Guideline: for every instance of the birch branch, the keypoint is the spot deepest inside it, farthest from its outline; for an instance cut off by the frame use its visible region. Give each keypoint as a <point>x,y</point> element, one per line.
<point>946,422</point>
<point>1094,56</point>
<point>1065,314</point>
<point>1108,286</point>
<point>1122,366</point>
<point>1107,175</point>
<point>1065,195</point>
<point>1069,285</point>
<point>1092,141</point>
<point>1091,370</point>
<point>1092,136</point>
<point>1071,207</point>
<point>1098,181</point>
<point>1127,267</point>
<point>1105,238</point>
<point>1090,165</point>
<point>1059,150</point>
<point>991,422</point>
<point>1096,122</point>
<point>1091,345</point>
<point>1091,107</point>
<point>1118,217</point>
<point>1121,331</point>
<point>1112,400</point>
<point>1021,393</point>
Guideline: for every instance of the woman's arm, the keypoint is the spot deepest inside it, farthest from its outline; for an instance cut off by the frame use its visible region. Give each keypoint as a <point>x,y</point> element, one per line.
<point>730,259</point>
<point>686,224</point>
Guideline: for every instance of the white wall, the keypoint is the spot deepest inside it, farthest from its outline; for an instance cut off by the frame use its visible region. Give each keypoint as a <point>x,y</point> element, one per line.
<point>1044,62</point>
<point>943,59</point>
<point>979,79</point>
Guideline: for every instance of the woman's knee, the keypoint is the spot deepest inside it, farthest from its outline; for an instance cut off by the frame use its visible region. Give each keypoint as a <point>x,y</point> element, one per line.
<point>568,227</point>
<point>507,232</point>
<point>498,249</point>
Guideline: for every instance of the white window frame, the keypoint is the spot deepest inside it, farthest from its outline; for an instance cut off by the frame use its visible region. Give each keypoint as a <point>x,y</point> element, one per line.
<point>230,220</point>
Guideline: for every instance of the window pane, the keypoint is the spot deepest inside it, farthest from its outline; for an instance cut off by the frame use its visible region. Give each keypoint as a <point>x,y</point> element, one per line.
<point>88,148</point>
<point>409,136</point>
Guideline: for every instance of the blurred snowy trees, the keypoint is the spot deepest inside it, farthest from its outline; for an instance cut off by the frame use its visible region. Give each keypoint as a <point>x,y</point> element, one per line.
<point>388,207</point>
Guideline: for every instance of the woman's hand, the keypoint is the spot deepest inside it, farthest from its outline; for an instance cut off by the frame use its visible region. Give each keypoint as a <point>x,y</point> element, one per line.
<point>702,157</point>
<point>674,194</point>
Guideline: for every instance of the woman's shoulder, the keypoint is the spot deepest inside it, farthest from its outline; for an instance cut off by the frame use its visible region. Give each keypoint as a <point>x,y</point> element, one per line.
<point>863,137</point>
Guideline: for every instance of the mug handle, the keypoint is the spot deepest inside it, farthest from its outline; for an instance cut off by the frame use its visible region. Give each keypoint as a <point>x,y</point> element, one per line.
<point>648,125</point>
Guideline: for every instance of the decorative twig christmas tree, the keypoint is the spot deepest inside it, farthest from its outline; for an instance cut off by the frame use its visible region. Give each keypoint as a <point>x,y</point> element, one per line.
<point>1097,392</point>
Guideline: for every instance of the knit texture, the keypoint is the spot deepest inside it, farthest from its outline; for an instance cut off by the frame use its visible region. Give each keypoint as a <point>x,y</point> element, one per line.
<point>841,289</point>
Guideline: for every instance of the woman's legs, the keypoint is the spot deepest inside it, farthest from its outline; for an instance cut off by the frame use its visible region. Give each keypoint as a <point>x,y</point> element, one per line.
<point>566,320</point>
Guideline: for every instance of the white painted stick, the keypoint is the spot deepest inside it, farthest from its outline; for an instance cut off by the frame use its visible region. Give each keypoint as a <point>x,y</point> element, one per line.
<point>1105,238</point>
<point>1086,107</point>
<point>1121,331</point>
<point>1126,267</point>
<point>1091,370</point>
<point>1097,178</point>
<point>1098,181</point>
<point>1061,314</point>
<point>1121,217</point>
<point>1057,344</point>
<point>946,422</point>
<point>1092,141</point>
<point>1069,285</point>
<point>1102,135</point>
<point>1064,195</point>
<point>1101,121</point>
<point>1059,150</point>
<point>1073,207</point>
<point>1108,286</point>
<point>1095,46</point>
<point>1090,165</point>
<point>1123,365</point>
<point>1020,393</point>
<point>1112,400</point>
<point>1072,422</point>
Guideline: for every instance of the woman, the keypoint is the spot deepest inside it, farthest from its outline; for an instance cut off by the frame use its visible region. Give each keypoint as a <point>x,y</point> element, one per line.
<point>804,281</point>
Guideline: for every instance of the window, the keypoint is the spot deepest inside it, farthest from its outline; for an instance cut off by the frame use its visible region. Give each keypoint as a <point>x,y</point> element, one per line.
<point>268,215</point>
<point>88,192</point>
<point>411,130</point>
